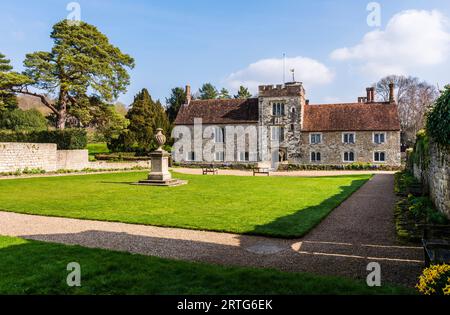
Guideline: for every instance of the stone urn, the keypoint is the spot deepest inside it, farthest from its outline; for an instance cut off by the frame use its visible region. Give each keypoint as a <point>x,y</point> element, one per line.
<point>160,139</point>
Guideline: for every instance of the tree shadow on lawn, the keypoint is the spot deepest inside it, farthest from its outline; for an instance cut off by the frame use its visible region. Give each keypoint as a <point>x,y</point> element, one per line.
<point>298,224</point>
<point>285,259</point>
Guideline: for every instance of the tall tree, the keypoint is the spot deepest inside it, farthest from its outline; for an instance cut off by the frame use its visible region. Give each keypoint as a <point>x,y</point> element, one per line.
<point>121,109</point>
<point>145,116</point>
<point>224,94</point>
<point>243,93</point>
<point>414,97</point>
<point>8,81</point>
<point>81,64</point>
<point>174,102</point>
<point>208,92</point>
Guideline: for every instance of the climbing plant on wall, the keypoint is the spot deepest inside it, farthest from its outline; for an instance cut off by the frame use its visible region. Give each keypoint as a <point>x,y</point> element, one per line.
<point>421,155</point>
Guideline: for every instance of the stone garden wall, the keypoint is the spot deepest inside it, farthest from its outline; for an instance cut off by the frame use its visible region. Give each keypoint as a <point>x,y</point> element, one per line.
<point>437,177</point>
<point>20,156</point>
<point>75,160</point>
<point>45,156</point>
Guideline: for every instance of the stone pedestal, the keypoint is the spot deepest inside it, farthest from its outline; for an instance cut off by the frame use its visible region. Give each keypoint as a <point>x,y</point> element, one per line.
<point>160,175</point>
<point>160,166</point>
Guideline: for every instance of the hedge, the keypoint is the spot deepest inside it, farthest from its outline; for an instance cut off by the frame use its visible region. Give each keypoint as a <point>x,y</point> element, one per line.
<point>68,139</point>
<point>22,120</point>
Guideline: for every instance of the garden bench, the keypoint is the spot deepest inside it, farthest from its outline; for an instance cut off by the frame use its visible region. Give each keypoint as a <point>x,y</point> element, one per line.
<point>261,168</point>
<point>436,244</point>
<point>210,169</point>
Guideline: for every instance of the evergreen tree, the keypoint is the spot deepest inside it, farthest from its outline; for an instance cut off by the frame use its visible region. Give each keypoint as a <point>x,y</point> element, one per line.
<point>174,102</point>
<point>8,79</point>
<point>243,93</point>
<point>145,116</point>
<point>82,63</point>
<point>224,94</point>
<point>208,92</point>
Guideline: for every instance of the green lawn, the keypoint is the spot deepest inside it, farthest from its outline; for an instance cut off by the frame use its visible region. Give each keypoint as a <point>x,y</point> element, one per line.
<point>276,206</point>
<point>97,148</point>
<point>30,267</point>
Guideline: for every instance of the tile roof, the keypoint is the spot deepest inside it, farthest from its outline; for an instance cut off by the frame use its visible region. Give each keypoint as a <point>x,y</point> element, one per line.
<point>230,111</point>
<point>324,117</point>
<point>351,117</point>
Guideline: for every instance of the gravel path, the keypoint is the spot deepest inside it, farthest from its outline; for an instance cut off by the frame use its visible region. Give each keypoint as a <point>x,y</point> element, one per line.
<point>359,231</point>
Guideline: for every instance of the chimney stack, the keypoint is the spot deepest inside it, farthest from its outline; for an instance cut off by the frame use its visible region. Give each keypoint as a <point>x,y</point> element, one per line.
<point>391,93</point>
<point>369,95</point>
<point>373,94</point>
<point>188,94</point>
<point>306,102</point>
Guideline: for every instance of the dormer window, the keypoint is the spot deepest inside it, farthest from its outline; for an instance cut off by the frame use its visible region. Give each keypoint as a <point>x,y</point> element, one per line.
<point>278,109</point>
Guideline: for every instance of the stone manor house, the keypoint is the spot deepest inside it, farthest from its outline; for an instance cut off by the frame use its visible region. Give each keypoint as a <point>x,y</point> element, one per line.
<point>291,130</point>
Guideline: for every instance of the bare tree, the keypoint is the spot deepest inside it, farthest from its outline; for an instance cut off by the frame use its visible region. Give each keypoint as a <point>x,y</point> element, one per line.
<point>414,97</point>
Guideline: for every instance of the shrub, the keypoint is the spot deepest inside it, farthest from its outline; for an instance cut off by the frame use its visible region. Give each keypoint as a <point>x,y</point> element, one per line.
<point>406,183</point>
<point>20,120</point>
<point>435,280</point>
<point>438,119</point>
<point>68,139</point>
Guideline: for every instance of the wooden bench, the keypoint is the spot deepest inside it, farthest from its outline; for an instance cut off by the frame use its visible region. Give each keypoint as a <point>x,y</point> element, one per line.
<point>261,168</point>
<point>436,244</point>
<point>210,169</point>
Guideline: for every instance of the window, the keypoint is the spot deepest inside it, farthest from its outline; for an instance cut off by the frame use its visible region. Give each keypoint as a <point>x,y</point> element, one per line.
<point>219,157</point>
<point>190,156</point>
<point>348,138</point>
<point>315,138</point>
<point>316,157</point>
<point>278,109</point>
<point>349,156</point>
<point>278,134</point>
<point>292,127</point>
<point>244,156</point>
<point>379,157</point>
<point>379,138</point>
<point>218,135</point>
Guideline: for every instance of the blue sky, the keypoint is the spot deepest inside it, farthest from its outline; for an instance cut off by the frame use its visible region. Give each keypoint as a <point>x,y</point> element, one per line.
<point>329,43</point>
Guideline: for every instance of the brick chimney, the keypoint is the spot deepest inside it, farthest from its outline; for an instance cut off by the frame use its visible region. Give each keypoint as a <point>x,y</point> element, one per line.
<point>373,94</point>
<point>391,93</point>
<point>188,94</point>
<point>369,95</point>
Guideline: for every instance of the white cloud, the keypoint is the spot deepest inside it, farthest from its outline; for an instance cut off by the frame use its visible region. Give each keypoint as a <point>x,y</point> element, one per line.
<point>412,40</point>
<point>270,71</point>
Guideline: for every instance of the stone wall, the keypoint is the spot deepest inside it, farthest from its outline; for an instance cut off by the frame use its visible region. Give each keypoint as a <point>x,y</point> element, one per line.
<point>332,148</point>
<point>20,156</point>
<point>205,150</point>
<point>293,98</point>
<point>101,165</point>
<point>437,177</point>
<point>45,156</point>
<point>76,160</point>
